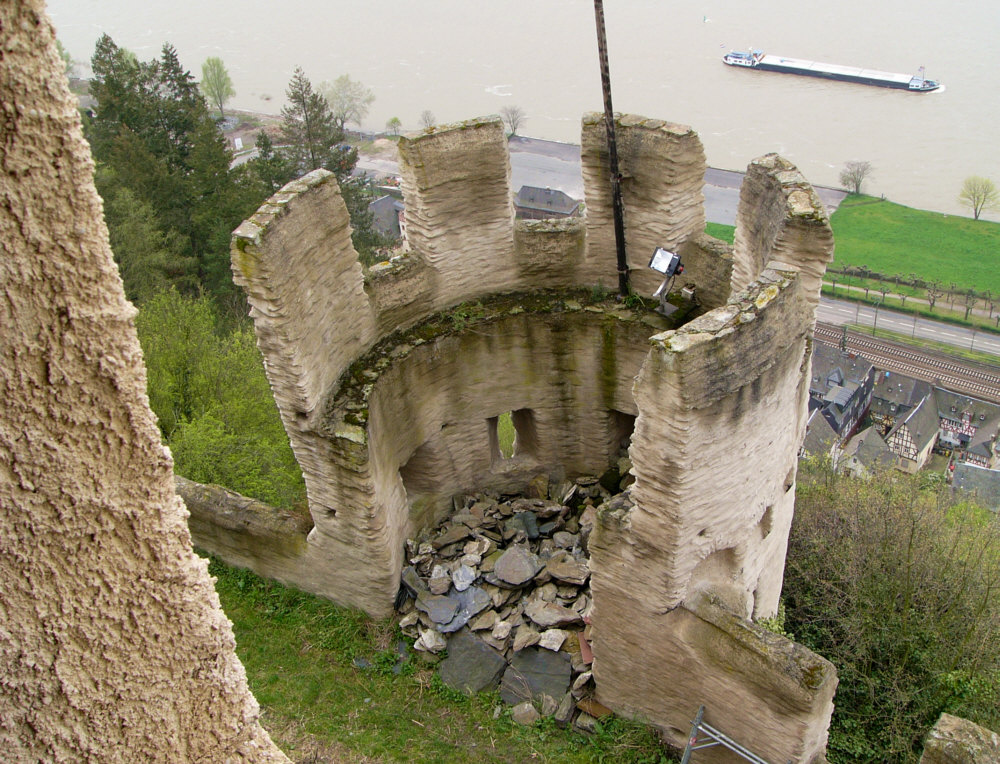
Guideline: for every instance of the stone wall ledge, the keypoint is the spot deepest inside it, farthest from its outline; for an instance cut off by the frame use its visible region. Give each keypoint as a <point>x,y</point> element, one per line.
<point>796,667</point>
<point>347,403</point>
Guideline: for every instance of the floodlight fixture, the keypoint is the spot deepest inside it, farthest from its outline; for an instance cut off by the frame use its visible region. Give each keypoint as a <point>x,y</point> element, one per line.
<point>666,262</point>
<point>669,264</point>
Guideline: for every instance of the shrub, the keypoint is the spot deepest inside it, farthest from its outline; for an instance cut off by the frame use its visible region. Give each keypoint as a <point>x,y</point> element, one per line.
<point>897,584</point>
<point>213,401</point>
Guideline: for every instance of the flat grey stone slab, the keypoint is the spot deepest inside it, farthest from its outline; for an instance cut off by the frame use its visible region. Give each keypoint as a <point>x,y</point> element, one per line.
<point>438,608</point>
<point>534,672</point>
<point>516,566</point>
<point>471,603</point>
<point>471,666</point>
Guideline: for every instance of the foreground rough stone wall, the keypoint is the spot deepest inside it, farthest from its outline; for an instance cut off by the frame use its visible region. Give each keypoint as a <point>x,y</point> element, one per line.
<point>404,420</point>
<point>113,646</point>
<point>958,741</point>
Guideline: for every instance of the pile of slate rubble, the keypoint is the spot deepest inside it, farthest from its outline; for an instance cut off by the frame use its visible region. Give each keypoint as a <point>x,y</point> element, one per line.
<point>503,586</point>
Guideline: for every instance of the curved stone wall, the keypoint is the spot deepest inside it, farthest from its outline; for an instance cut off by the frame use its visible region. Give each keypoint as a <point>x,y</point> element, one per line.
<point>388,384</point>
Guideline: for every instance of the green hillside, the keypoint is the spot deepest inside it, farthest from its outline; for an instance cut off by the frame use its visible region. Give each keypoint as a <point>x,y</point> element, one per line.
<point>892,239</point>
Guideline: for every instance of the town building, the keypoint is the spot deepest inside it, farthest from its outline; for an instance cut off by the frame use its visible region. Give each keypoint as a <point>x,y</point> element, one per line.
<point>841,387</point>
<point>533,203</point>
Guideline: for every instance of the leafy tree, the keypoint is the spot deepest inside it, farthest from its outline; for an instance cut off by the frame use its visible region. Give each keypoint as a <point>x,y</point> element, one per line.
<point>512,116</point>
<point>854,174</point>
<point>348,99</point>
<point>427,119</point>
<point>896,584</point>
<point>309,127</point>
<point>182,356</point>
<point>216,84</point>
<point>394,126</point>
<point>979,194</point>
<point>213,401</point>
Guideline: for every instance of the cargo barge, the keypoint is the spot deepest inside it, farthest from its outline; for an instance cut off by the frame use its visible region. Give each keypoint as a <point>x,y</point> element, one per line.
<point>756,59</point>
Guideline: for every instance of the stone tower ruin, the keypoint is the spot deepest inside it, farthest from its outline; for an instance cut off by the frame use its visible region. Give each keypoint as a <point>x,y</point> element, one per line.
<point>390,383</point>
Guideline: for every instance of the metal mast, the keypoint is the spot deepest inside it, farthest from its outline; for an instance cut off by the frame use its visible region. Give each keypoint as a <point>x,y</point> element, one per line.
<point>609,124</point>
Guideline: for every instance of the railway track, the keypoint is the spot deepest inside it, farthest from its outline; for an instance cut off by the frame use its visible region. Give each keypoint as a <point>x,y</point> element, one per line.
<point>978,380</point>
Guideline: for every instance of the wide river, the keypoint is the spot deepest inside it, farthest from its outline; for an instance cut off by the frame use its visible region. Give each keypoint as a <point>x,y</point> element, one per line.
<point>466,58</point>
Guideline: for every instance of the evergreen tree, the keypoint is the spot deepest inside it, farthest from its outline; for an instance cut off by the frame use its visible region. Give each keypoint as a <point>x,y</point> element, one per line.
<point>309,129</point>
<point>315,141</point>
<point>268,168</point>
<point>149,260</point>
<point>152,134</point>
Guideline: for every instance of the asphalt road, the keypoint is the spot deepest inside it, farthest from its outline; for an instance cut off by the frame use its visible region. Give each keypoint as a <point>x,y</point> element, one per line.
<point>841,312</point>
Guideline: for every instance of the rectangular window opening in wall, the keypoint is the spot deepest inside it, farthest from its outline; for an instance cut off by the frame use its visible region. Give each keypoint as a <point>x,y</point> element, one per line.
<point>525,433</point>
<point>620,429</point>
<point>511,434</point>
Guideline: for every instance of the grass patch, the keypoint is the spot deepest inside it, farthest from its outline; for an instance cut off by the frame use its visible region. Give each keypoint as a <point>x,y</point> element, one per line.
<point>890,238</point>
<point>720,231</point>
<point>299,652</point>
<point>505,432</point>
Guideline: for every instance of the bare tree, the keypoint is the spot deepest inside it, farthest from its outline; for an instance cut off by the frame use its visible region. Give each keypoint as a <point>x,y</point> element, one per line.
<point>512,116</point>
<point>427,119</point>
<point>854,174</point>
<point>933,292</point>
<point>349,100</point>
<point>979,194</point>
<point>970,303</point>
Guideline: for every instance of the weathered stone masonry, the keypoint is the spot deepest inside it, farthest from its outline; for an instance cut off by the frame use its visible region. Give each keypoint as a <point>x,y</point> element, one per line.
<point>388,385</point>
<point>113,646</point>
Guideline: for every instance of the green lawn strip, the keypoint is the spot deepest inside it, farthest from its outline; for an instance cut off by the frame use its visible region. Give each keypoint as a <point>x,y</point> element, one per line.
<point>892,239</point>
<point>298,651</point>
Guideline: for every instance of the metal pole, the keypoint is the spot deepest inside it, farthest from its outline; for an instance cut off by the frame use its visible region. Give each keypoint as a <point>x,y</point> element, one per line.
<point>609,125</point>
<point>875,322</point>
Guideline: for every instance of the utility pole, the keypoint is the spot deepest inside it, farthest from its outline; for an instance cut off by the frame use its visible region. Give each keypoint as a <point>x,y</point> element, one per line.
<point>609,125</point>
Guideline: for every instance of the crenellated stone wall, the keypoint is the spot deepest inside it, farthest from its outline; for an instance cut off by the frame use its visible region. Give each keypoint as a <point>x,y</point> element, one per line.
<point>390,382</point>
<point>113,645</point>
<point>721,415</point>
<point>781,222</point>
<point>662,165</point>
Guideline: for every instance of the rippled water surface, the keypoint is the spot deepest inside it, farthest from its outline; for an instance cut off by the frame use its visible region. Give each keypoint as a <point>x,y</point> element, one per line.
<point>465,58</point>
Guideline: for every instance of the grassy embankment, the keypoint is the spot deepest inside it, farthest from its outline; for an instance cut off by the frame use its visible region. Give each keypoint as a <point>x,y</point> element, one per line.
<point>325,681</point>
<point>892,239</point>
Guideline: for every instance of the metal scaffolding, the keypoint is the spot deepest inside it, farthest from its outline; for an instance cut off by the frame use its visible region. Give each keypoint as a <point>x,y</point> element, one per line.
<point>704,735</point>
